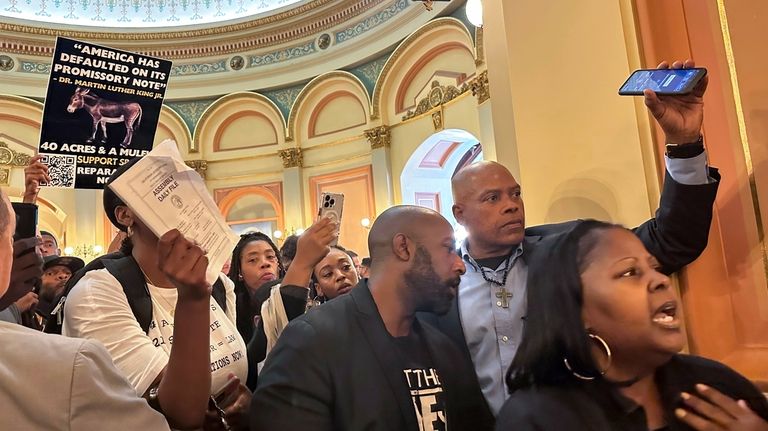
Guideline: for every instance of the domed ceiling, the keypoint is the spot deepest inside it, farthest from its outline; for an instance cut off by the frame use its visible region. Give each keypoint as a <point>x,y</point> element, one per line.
<point>110,14</point>
<point>216,46</point>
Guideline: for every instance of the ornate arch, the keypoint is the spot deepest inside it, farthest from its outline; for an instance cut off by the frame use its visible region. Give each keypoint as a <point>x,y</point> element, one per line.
<point>179,125</point>
<point>311,86</point>
<point>228,201</point>
<point>404,47</point>
<point>211,110</point>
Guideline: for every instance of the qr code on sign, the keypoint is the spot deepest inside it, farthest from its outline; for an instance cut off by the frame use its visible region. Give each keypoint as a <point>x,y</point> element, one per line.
<point>61,169</point>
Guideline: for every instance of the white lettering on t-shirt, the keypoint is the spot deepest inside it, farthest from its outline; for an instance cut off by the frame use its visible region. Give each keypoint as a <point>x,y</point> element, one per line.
<point>428,398</point>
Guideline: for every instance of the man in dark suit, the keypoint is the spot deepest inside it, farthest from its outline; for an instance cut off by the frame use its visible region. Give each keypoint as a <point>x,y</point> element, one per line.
<point>363,361</point>
<point>486,321</point>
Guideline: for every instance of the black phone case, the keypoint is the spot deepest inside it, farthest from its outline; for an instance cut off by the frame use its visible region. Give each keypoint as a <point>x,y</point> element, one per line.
<point>26,220</point>
<point>688,89</point>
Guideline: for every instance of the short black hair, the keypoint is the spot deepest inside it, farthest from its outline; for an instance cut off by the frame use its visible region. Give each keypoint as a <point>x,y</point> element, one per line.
<point>111,200</point>
<point>352,254</point>
<point>46,233</point>
<point>366,262</point>
<point>288,250</point>
<point>554,329</point>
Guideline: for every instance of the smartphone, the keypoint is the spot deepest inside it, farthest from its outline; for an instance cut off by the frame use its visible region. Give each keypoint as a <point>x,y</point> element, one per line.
<point>331,206</point>
<point>26,220</point>
<point>662,81</point>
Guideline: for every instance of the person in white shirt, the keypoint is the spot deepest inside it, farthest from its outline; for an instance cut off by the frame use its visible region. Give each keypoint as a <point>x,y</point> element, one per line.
<point>57,383</point>
<point>192,372</point>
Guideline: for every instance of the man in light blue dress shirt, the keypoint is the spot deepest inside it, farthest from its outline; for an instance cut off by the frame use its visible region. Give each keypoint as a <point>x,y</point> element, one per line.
<point>488,317</point>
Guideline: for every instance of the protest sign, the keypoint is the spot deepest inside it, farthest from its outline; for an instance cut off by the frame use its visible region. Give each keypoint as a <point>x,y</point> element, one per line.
<point>101,110</point>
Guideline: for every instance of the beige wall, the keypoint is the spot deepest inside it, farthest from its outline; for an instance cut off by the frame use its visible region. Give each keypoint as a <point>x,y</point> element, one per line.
<point>579,145</point>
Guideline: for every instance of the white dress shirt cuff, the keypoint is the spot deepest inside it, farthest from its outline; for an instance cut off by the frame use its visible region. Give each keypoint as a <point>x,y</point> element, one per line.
<point>690,172</point>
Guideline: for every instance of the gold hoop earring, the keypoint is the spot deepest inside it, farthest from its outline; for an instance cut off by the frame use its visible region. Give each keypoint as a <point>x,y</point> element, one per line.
<point>607,350</point>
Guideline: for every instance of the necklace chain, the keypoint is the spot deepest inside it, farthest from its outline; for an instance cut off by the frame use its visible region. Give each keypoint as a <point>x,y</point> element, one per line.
<point>171,307</point>
<point>503,282</point>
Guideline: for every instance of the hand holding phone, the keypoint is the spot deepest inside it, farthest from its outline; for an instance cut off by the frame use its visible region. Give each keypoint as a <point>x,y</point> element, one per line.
<point>680,116</point>
<point>331,206</point>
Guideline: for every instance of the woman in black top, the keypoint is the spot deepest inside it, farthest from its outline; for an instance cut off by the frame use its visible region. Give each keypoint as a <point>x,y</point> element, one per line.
<point>599,351</point>
<point>255,266</point>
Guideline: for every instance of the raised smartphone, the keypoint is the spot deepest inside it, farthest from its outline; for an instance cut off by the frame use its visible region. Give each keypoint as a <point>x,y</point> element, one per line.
<point>331,206</point>
<point>662,81</point>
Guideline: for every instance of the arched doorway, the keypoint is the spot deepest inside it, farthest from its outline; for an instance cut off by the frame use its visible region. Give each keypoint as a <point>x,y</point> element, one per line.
<point>426,178</point>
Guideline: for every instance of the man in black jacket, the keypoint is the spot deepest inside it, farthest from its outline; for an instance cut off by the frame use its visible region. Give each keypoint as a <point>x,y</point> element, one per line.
<point>486,321</point>
<point>363,361</point>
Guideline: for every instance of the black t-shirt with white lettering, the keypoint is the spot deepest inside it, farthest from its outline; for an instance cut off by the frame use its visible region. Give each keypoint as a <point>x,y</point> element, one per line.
<point>423,382</point>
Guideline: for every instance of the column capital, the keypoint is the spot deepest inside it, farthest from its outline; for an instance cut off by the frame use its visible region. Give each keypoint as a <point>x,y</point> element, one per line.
<point>200,166</point>
<point>292,157</point>
<point>480,87</point>
<point>379,137</point>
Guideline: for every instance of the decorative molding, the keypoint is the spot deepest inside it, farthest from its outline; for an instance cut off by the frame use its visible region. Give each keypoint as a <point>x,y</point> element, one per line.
<point>283,98</point>
<point>10,157</point>
<point>216,66</point>
<point>318,109</point>
<point>6,63</point>
<point>369,72</point>
<point>292,158</point>
<point>437,96</point>
<point>311,85</point>
<point>402,48</point>
<point>423,61</point>
<point>183,125</point>
<point>480,87</point>
<point>211,108</point>
<point>359,28</point>
<point>438,119</point>
<point>331,19</point>
<point>479,47</point>
<point>200,166</point>
<point>5,177</point>
<point>42,68</point>
<point>379,137</point>
<point>279,56</point>
<point>298,23</point>
<point>191,112</point>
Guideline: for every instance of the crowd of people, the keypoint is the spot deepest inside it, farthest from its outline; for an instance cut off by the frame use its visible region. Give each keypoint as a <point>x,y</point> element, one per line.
<point>569,326</point>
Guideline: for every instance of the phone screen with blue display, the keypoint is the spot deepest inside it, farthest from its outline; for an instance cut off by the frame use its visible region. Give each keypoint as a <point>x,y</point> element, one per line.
<point>662,81</point>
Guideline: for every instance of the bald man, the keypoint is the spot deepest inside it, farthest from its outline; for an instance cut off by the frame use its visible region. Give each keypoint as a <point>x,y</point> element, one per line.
<point>363,360</point>
<point>486,321</point>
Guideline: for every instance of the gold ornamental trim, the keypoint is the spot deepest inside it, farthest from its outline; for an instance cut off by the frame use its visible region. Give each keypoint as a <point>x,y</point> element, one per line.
<point>292,158</point>
<point>437,97</point>
<point>379,137</point>
<point>200,166</point>
<point>10,157</point>
<point>480,87</point>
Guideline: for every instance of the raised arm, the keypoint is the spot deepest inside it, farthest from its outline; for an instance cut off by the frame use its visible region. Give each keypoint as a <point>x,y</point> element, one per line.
<point>679,232</point>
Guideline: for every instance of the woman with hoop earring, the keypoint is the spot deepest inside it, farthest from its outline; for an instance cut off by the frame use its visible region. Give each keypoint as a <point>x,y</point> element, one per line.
<point>600,348</point>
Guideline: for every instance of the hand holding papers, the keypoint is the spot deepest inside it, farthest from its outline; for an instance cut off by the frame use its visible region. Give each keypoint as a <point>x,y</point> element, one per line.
<point>167,194</point>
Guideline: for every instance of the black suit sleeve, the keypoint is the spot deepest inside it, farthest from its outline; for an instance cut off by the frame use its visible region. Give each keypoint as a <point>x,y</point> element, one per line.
<point>295,303</point>
<point>294,390</point>
<point>679,232</point>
